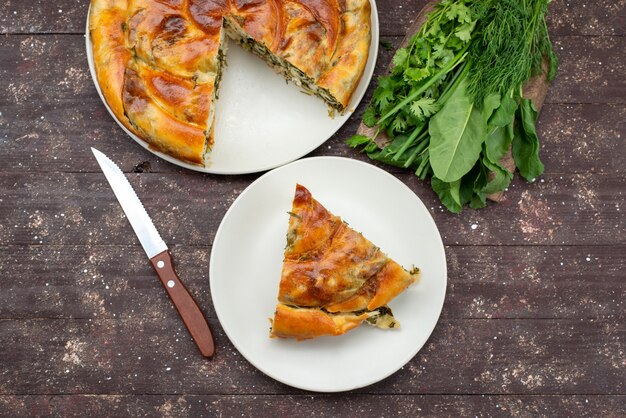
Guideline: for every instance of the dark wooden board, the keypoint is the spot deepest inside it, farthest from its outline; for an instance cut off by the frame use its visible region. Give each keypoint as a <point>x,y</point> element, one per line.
<point>156,356</point>
<point>296,406</point>
<point>82,282</point>
<point>80,209</point>
<point>533,323</point>
<point>566,17</point>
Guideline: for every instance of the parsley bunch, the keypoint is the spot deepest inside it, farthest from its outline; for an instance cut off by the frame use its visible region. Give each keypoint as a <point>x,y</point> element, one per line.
<point>452,105</point>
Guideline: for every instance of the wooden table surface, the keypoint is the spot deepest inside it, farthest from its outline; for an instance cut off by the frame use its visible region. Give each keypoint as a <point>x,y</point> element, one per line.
<point>534,319</point>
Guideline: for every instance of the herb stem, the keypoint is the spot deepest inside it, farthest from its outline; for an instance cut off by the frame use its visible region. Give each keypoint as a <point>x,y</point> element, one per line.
<point>453,63</point>
<point>425,160</point>
<point>454,82</point>
<point>409,142</point>
<point>420,147</point>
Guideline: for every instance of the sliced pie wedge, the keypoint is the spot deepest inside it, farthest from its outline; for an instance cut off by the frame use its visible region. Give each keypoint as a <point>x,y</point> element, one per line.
<point>333,278</point>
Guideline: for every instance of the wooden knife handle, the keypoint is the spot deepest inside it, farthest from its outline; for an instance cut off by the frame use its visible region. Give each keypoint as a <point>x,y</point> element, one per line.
<point>188,309</point>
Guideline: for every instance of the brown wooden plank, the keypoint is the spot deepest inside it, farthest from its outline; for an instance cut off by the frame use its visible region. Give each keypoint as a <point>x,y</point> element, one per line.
<point>95,282</point>
<point>156,356</point>
<point>50,114</point>
<point>41,16</point>
<point>578,138</point>
<point>80,209</point>
<point>576,17</point>
<point>580,17</point>
<point>566,17</point>
<point>302,405</point>
<point>588,67</point>
<point>535,282</point>
<point>483,282</point>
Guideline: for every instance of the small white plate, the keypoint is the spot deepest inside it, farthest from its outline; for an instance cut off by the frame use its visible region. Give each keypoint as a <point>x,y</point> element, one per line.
<point>261,121</point>
<point>246,262</point>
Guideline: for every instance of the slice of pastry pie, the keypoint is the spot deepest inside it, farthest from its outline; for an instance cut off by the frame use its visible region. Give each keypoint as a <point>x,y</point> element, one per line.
<point>333,278</point>
<point>159,62</point>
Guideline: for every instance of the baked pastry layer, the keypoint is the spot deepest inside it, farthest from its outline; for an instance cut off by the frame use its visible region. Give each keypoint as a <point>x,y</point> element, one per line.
<point>333,278</point>
<point>159,62</point>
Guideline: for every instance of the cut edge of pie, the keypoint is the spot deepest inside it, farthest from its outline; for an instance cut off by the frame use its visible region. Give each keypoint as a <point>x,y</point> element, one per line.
<point>181,50</point>
<point>333,278</point>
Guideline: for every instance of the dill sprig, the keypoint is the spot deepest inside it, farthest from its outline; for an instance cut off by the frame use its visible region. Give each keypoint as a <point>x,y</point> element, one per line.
<point>509,46</point>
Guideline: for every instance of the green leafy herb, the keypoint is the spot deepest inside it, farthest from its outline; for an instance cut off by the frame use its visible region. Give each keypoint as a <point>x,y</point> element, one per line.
<point>505,113</point>
<point>512,46</point>
<point>464,32</point>
<point>457,132</point>
<point>501,177</point>
<point>369,117</point>
<point>358,140</point>
<point>446,192</point>
<point>401,57</point>
<point>526,143</point>
<point>424,107</point>
<point>458,11</point>
<point>498,142</point>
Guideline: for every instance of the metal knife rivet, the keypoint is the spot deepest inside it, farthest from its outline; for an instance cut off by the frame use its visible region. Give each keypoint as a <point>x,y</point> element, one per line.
<point>160,264</point>
<point>170,283</point>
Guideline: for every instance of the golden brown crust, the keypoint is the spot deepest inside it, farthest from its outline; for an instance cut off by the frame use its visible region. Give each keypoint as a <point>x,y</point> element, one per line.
<point>304,324</point>
<point>263,20</point>
<point>182,98</point>
<point>162,130</point>
<point>164,35</point>
<point>331,269</point>
<point>107,20</point>
<point>180,41</point>
<point>333,273</point>
<point>350,57</point>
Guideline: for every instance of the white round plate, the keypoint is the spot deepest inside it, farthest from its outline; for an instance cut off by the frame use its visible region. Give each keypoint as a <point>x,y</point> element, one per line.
<point>261,121</point>
<point>246,262</point>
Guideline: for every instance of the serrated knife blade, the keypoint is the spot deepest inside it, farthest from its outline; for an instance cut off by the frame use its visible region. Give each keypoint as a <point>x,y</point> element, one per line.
<point>158,254</point>
<point>133,208</point>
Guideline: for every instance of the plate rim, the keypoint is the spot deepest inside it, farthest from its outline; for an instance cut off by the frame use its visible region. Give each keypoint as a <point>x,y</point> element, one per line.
<point>354,103</point>
<point>314,388</point>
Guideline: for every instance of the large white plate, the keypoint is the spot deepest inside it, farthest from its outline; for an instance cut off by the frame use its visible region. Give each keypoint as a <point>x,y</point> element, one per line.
<point>247,257</point>
<point>261,121</point>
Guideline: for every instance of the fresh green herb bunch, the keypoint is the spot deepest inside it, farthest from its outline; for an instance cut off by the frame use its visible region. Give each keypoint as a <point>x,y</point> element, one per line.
<point>419,83</point>
<point>452,105</point>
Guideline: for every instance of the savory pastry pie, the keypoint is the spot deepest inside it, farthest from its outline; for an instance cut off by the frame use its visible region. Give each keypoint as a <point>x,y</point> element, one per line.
<point>333,278</point>
<point>159,62</point>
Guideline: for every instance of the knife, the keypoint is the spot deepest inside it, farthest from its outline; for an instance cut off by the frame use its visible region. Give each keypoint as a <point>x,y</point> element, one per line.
<point>158,254</point>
